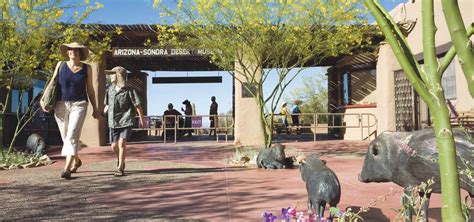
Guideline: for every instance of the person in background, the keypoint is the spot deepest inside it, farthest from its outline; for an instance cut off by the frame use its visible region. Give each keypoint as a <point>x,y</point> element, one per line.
<point>213,117</point>
<point>295,118</point>
<point>75,88</point>
<point>170,121</point>
<point>188,111</point>
<point>121,105</point>
<point>284,120</point>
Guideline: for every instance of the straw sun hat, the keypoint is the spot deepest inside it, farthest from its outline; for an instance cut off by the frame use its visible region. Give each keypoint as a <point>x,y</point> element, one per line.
<point>84,50</point>
<point>122,75</point>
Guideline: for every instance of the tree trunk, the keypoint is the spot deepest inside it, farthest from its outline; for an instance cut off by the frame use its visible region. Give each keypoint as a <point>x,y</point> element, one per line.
<point>429,89</point>
<point>450,196</point>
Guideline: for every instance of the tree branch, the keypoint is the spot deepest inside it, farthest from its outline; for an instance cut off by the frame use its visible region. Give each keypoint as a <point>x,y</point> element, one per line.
<point>460,40</point>
<point>429,50</point>
<point>399,47</point>
<point>446,60</point>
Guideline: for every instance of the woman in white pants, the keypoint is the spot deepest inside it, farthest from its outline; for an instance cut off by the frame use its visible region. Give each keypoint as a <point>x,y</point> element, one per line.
<point>75,88</point>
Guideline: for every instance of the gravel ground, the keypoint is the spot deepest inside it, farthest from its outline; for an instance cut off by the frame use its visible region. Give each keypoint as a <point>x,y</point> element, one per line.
<point>39,194</point>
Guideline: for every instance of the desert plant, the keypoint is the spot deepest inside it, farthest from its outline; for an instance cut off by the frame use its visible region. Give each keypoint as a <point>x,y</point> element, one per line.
<point>426,81</point>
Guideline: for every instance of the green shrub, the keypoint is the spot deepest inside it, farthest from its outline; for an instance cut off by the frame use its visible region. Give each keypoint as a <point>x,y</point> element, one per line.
<point>17,159</point>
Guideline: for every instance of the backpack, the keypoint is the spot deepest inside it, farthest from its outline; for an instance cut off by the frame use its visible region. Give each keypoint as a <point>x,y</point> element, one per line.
<point>296,109</point>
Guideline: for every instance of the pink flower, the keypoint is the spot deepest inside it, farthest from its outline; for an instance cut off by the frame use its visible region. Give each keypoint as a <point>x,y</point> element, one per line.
<point>291,212</point>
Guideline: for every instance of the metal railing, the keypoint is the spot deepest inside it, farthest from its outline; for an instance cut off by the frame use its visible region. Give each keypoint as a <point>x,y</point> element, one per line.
<point>167,124</point>
<point>366,122</point>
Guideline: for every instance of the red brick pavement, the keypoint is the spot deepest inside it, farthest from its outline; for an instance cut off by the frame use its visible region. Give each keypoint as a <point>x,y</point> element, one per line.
<point>243,194</point>
<point>237,194</point>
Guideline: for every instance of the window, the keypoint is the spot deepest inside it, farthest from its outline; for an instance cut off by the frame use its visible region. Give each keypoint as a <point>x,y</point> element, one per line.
<point>449,81</point>
<point>346,87</point>
<point>15,99</point>
<point>38,86</point>
<point>25,102</point>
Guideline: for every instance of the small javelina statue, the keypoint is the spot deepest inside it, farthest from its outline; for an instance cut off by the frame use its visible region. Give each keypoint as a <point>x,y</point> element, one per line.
<point>322,185</point>
<point>35,143</point>
<point>272,158</point>
<point>410,158</point>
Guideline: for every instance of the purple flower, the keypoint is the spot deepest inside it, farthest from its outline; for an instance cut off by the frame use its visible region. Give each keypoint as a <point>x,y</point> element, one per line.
<point>268,217</point>
<point>284,215</point>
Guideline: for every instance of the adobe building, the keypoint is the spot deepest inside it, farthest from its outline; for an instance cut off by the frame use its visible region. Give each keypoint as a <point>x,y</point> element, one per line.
<point>371,83</point>
<point>128,51</point>
<point>376,84</point>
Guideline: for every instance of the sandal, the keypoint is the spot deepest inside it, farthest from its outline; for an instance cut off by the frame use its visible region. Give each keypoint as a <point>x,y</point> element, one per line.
<point>66,174</point>
<point>119,173</point>
<point>76,166</point>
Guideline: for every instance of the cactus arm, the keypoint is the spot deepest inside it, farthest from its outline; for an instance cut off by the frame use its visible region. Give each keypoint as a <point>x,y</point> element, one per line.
<point>429,50</point>
<point>461,41</point>
<point>451,209</point>
<point>452,52</point>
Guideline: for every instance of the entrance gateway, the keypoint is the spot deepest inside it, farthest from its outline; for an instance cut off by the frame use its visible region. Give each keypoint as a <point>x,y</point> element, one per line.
<point>128,51</point>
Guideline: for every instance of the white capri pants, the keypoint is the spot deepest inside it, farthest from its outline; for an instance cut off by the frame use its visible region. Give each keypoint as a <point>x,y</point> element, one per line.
<point>70,117</point>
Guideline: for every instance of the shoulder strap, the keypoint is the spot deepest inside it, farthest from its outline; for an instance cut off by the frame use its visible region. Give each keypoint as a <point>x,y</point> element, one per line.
<point>59,66</point>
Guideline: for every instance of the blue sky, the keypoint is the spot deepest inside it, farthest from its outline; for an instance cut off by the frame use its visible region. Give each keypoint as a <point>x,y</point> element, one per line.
<point>142,12</point>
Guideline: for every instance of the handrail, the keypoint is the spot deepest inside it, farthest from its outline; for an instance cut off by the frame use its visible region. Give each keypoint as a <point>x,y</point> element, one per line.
<point>179,126</point>
<point>331,116</point>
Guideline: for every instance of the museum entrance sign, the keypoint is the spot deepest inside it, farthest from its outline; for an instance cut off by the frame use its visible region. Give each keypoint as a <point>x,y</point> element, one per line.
<point>158,52</point>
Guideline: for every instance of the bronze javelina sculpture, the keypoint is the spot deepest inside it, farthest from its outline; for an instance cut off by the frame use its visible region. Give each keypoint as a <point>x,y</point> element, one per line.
<point>410,158</point>
<point>322,185</point>
<point>272,158</point>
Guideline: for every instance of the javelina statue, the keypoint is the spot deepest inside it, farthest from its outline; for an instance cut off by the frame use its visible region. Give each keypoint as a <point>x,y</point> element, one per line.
<point>272,158</point>
<point>322,185</point>
<point>35,143</point>
<point>410,158</point>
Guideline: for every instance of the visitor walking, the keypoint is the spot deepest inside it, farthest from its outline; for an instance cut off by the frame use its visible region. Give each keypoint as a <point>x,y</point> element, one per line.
<point>121,105</point>
<point>74,89</point>
<point>295,117</point>
<point>284,120</point>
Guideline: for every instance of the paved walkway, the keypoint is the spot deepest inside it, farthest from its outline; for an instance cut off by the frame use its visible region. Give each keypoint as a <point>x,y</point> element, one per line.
<point>187,182</point>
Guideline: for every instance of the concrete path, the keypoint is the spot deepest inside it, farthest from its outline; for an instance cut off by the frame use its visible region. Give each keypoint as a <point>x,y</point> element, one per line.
<point>187,181</point>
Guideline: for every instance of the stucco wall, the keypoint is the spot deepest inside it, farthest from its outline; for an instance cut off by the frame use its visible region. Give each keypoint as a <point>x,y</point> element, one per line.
<point>387,63</point>
<point>351,120</point>
<point>247,128</point>
<point>386,94</point>
<point>94,130</point>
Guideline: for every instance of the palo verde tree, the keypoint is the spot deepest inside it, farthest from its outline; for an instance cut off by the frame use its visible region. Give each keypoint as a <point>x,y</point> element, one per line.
<point>427,82</point>
<point>264,38</point>
<point>30,33</point>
